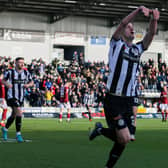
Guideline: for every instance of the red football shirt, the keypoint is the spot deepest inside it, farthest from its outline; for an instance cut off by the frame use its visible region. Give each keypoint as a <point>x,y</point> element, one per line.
<point>163,98</point>
<point>64,94</point>
<point>2,90</point>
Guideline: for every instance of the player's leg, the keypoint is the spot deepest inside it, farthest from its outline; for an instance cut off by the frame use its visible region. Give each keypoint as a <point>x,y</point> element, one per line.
<point>3,120</point>
<point>14,104</point>
<point>135,110</point>
<point>61,112</point>
<point>68,115</point>
<point>117,131</point>
<point>8,124</point>
<point>18,124</point>
<point>90,114</point>
<point>11,118</point>
<point>123,137</point>
<point>4,113</point>
<point>87,112</point>
<point>68,106</point>
<point>115,154</point>
<point>120,136</point>
<point>163,115</point>
<point>119,107</point>
<point>162,111</point>
<point>60,115</point>
<point>133,123</point>
<point>166,114</point>
<point>99,129</point>
<point>3,105</point>
<point>109,132</point>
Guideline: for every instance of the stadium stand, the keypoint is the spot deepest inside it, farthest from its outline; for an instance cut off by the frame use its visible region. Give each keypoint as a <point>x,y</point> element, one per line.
<point>84,77</point>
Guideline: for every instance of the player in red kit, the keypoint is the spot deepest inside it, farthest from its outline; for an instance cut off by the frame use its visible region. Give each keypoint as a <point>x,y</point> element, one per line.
<point>3,104</point>
<point>64,101</point>
<point>164,103</point>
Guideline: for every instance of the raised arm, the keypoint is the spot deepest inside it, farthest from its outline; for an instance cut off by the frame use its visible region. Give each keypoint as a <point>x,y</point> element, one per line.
<point>152,28</point>
<point>130,18</point>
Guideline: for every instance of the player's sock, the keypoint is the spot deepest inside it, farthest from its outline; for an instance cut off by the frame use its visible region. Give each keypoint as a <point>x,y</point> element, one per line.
<point>18,123</point>
<point>166,116</point>
<point>9,121</point>
<point>18,133</point>
<point>90,117</point>
<point>163,116</point>
<point>68,116</point>
<point>132,127</point>
<point>4,114</point>
<point>108,133</point>
<point>132,130</point>
<point>133,133</point>
<point>60,117</point>
<point>19,137</point>
<point>115,154</point>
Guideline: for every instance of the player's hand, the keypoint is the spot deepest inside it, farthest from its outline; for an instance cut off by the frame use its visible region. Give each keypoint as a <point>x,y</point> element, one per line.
<point>26,86</point>
<point>156,14</point>
<point>3,101</point>
<point>9,85</point>
<point>145,11</point>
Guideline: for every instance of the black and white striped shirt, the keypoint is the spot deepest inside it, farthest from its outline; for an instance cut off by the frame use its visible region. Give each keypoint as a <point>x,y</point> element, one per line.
<point>17,79</point>
<point>88,99</point>
<point>123,66</point>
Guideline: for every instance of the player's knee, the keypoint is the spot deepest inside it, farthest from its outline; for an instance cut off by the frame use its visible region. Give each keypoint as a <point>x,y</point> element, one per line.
<point>124,141</point>
<point>123,136</point>
<point>127,140</point>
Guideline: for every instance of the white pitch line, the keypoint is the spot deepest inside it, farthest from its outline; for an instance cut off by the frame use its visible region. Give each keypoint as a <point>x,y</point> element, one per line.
<point>10,140</point>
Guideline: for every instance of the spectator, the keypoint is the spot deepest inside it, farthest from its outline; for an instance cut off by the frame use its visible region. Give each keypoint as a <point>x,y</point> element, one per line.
<point>48,84</point>
<point>48,96</point>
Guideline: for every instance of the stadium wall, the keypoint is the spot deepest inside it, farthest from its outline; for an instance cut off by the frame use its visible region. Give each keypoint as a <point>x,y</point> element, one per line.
<point>26,24</point>
<point>95,33</point>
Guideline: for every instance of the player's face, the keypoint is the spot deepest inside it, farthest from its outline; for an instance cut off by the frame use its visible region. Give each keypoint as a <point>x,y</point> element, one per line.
<point>129,33</point>
<point>20,64</point>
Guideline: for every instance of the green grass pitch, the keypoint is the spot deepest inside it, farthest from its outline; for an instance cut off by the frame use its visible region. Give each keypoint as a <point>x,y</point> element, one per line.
<point>66,145</point>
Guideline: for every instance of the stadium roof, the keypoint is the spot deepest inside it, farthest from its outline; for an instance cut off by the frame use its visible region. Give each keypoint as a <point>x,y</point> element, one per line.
<point>113,10</point>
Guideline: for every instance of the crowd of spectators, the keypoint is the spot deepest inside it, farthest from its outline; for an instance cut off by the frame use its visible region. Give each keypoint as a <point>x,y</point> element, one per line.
<point>153,75</point>
<point>85,77</point>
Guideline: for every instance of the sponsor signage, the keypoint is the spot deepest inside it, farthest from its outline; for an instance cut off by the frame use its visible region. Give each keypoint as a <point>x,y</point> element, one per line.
<point>98,40</point>
<point>21,35</point>
<point>69,38</point>
<point>148,115</point>
<point>51,112</point>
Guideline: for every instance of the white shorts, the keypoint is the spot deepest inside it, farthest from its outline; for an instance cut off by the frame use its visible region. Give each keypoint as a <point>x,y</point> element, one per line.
<point>163,106</point>
<point>65,105</point>
<point>3,104</point>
